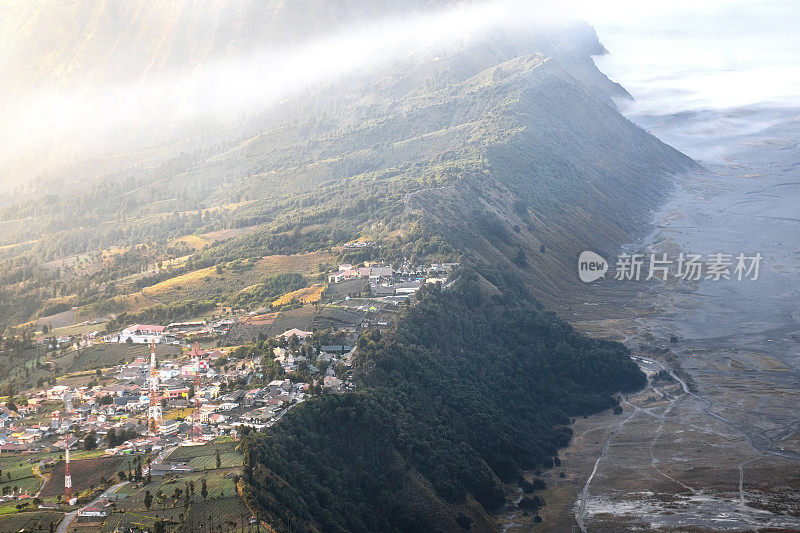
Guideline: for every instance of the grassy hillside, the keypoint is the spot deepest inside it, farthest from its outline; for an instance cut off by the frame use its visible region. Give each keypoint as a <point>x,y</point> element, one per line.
<point>531,138</point>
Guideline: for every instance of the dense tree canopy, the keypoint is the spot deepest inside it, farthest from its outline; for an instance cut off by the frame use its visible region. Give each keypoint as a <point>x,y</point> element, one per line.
<point>465,389</point>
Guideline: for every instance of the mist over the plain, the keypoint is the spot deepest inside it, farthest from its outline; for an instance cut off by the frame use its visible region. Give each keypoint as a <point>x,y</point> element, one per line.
<point>712,64</point>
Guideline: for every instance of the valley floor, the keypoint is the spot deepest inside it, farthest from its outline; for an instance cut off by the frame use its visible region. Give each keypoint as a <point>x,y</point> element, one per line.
<point>717,447</point>
<point>677,459</point>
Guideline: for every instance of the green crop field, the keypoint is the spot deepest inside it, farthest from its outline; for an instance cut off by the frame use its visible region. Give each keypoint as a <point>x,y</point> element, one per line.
<point>106,355</point>
<point>221,510</point>
<point>86,473</point>
<point>209,462</point>
<point>223,505</point>
<point>33,520</point>
<point>16,475</point>
<point>30,366</point>
<point>187,453</point>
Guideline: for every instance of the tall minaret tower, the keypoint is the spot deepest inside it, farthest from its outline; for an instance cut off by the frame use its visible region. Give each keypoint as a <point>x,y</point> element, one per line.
<point>154,411</point>
<point>67,476</point>
<point>196,417</point>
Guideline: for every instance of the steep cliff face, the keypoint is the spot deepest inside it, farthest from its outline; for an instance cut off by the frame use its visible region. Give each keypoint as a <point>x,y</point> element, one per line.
<point>574,175</point>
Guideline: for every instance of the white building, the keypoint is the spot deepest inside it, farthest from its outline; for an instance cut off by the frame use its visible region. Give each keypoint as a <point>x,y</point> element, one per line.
<point>300,334</point>
<point>139,334</point>
<point>408,288</point>
<point>93,511</point>
<point>168,427</point>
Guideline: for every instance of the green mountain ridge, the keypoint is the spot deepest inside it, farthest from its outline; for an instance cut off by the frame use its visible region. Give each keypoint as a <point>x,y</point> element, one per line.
<point>506,153</point>
<point>574,175</point>
<point>563,172</point>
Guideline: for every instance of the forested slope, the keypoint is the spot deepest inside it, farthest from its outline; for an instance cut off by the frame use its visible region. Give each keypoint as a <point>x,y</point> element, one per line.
<point>469,386</point>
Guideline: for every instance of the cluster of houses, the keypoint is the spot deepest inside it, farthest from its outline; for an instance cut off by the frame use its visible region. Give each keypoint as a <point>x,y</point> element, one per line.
<point>374,273</point>
<point>215,399</point>
<point>358,245</point>
<point>174,333</point>
<point>204,393</point>
<point>385,281</point>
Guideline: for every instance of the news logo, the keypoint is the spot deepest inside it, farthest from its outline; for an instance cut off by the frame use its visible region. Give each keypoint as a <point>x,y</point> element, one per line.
<point>591,267</point>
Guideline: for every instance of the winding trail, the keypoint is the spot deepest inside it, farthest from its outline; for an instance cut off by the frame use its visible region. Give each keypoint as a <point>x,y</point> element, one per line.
<point>43,479</point>
<point>581,516</point>
<point>653,460</point>
<point>742,504</point>
<point>508,525</point>
<point>759,442</point>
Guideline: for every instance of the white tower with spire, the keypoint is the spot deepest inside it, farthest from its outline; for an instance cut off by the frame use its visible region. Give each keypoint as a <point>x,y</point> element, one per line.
<point>154,411</point>
<point>67,476</point>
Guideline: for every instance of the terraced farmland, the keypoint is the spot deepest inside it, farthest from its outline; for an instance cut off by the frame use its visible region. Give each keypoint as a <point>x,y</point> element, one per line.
<point>16,475</point>
<point>213,284</point>
<point>308,295</point>
<point>85,473</point>
<point>188,453</point>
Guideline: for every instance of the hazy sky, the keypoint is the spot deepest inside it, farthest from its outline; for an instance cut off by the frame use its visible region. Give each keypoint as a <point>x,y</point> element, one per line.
<point>89,113</point>
<point>671,56</point>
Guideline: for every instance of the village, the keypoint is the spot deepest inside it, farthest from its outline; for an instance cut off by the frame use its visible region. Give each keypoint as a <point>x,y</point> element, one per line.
<point>217,395</point>
<point>171,394</point>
